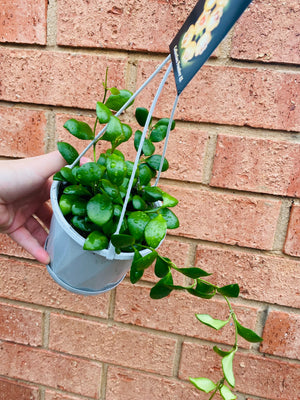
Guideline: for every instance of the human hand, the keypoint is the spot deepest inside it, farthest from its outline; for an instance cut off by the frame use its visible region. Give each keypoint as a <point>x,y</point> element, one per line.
<point>24,189</point>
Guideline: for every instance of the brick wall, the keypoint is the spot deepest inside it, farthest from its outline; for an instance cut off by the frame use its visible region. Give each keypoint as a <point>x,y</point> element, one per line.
<point>234,166</point>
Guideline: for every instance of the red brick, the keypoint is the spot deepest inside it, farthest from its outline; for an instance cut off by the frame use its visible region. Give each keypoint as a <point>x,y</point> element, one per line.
<point>230,95</point>
<point>51,369</point>
<point>281,335</point>
<point>29,282</point>
<point>21,324</point>
<point>52,395</point>
<point>184,164</point>
<point>292,240</point>
<point>258,376</point>
<point>10,390</point>
<point>112,344</point>
<point>23,21</point>
<point>257,165</point>
<point>225,218</point>
<point>270,279</point>
<point>268,32</point>
<point>74,79</point>
<point>176,313</point>
<point>115,25</point>
<point>11,248</point>
<point>22,132</point>
<point>131,385</point>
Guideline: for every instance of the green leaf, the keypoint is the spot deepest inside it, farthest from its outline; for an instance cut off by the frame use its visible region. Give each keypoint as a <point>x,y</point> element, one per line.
<point>162,267</point>
<point>78,190</point>
<point>161,289</point>
<point>155,231</point>
<point>103,113</point>
<point>226,393</point>
<point>58,177</point>
<point>117,101</point>
<point>148,147</point>
<point>116,169</point>
<point>247,333</point>
<point>193,272</point>
<point>141,115</point>
<point>66,203</point>
<point>112,191</point>
<point>68,152</point>
<point>204,384</point>
<point>95,241</point>
<point>165,121</point>
<point>113,130</point>
<point>137,222</point>
<point>203,290</point>
<point>135,275</point>
<point>89,173</point>
<point>145,262</point>
<point>170,218</point>
<point>114,90</point>
<point>79,207</point>
<point>79,129</point>
<point>230,290</point>
<point>212,322</point>
<point>227,366</point>
<point>121,241</point>
<point>82,224</point>
<point>221,352</point>
<point>138,203</point>
<point>127,132</point>
<point>152,193</point>
<point>154,162</point>
<point>100,209</point>
<point>67,174</point>
<point>168,200</point>
<point>158,133</point>
<point>145,174</point>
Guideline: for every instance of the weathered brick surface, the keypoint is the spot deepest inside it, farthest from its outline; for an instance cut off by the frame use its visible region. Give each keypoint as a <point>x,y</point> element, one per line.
<point>52,395</point>
<point>263,278</point>
<point>231,95</point>
<point>269,32</point>
<point>21,324</point>
<point>23,21</point>
<point>292,241</point>
<point>115,25</point>
<point>11,390</point>
<point>22,132</point>
<point>257,165</point>
<point>11,248</point>
<point>45,367</point>
<point>25,281</point>
<point>112,344</point>
<point>281,335</point>
<point>258,376</point>
<point>123,384</point>
<point>74,79</point>
<point>176,313</point>
<point>226,218</point>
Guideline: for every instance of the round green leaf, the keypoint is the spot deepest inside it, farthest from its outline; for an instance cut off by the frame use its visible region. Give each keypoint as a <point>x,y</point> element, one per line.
<point>154,162</point>
<point>158,133</point>
<point>168,200</point>
<point>155,231</point>
<point>139,203</point>
<point>170,217</point>
<point>148,147</point>
<point>165,121</point>
<point>78,190</point>
<point>79,207</point>
<point>82,224</point>
<point>95,241</point>
<point>226,393</point>
<point>113,130</point>
<point>145,174</point>
<point>141,115</point>
<point>137,222</point>
<point>67,174</point>
<point>100,209</point>
<point>152,193</point>
<point>103,113</point>
<point>66,203</point>
<point>162,267</point>
<point>79,129</point>
<point>117,101</point>
<point>112,191</point>
<point>116,169</point>
<point>89,173</point>
<point>68,152</point>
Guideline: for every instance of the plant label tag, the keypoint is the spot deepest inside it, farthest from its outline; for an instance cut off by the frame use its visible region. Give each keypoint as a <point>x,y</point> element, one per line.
<point>203,30</point>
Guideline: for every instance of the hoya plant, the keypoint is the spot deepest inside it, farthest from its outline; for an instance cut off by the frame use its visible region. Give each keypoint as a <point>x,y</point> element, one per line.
<point>91,199</point>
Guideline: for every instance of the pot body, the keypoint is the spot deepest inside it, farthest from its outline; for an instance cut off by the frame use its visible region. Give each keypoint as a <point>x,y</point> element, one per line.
<point>77,270</point>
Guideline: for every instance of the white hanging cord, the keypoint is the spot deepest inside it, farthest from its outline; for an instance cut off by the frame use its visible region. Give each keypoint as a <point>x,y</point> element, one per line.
<point>158,69</point>
<point>166,140</point>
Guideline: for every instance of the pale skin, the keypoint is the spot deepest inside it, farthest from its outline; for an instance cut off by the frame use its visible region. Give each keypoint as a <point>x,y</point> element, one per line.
<point>24,191</point>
